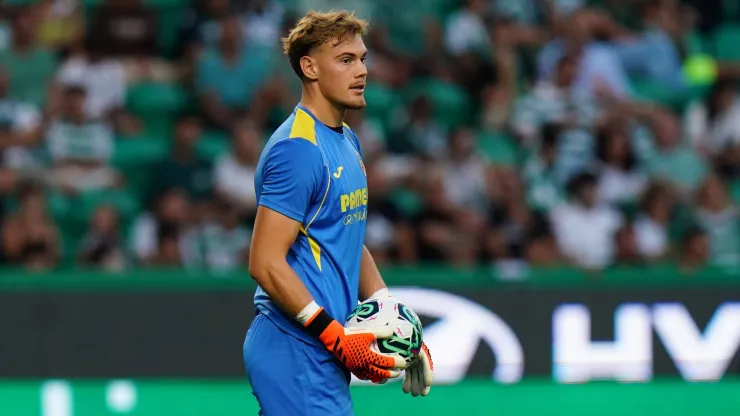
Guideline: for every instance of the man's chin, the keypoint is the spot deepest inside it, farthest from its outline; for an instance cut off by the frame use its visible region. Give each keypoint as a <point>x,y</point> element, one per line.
<point>355,104</point>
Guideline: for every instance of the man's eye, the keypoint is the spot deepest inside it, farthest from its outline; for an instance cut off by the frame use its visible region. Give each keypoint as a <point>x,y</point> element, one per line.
<point>346,60</point>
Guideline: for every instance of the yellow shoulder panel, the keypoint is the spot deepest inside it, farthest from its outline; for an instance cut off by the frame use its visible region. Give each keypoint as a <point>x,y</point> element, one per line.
<point>304,127</point>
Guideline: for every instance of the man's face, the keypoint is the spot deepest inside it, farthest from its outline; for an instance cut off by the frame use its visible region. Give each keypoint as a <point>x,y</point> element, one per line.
<point>75,104</point>
<point>341,72</point>
<point>187,132</point>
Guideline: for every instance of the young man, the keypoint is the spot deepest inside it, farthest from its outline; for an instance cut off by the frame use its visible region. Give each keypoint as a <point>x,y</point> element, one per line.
<point>307,252</point>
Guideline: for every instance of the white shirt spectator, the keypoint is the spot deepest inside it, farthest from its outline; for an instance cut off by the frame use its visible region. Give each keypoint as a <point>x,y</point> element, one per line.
<point>265,27</point>
<point>465,32</point>
<point>18,117</point>
<point>90,141</point>
<point>236,180</point>
<point>716,135</point>
<point>465,183</point>
<point>617,186</point>
<point>586,235</point>
<point>144,240</point>
<point>651,237</point>
<point>104,82</point>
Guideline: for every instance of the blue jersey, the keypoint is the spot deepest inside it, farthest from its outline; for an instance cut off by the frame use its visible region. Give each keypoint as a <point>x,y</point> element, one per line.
<point>315,175</point>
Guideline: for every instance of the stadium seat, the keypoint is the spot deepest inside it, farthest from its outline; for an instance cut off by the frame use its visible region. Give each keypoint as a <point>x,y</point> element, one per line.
<point>726,41</point>
<point>452,106</point>
<point>499,148</point>
<point>213,144</point>
<point>134,152</point>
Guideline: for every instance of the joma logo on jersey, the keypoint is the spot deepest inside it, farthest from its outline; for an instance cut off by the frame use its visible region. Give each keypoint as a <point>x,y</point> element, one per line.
<point>355,199</point>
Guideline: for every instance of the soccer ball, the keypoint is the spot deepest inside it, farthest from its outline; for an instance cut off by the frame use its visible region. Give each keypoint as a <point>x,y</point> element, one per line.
<point>407,336</point>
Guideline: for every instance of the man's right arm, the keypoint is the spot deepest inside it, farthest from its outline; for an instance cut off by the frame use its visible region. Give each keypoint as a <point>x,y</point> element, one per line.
<point>273,235</point>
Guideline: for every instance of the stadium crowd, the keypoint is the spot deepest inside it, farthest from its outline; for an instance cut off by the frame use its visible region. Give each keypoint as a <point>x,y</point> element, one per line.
<point>550,132</point>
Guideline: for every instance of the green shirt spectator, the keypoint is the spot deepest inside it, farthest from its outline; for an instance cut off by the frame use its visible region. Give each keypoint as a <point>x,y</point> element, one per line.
<point>31,68</point>
<point>183,168</point>
<point>233,72</point>
<point>408,24</point>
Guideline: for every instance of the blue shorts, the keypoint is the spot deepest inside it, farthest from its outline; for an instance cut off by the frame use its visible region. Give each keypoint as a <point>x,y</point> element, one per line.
<point>292,378</point>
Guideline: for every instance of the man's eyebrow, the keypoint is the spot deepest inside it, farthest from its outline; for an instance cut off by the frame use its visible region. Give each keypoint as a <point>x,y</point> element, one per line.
<point>351,54</point>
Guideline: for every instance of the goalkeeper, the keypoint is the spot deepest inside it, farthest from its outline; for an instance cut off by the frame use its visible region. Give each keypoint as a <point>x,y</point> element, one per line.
<point>307,254</point>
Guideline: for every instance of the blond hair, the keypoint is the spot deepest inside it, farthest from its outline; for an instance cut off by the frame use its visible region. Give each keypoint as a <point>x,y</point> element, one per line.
<point>315,29</point>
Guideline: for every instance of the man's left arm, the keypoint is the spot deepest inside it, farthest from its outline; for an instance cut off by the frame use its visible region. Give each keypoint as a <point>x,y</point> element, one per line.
<point>419,376</point>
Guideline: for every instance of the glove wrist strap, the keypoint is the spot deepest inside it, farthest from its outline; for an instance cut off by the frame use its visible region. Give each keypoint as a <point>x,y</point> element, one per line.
<point>318,323</point>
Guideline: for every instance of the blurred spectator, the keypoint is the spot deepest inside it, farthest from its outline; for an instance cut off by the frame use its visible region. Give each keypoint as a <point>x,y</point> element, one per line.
<point>411,32</point>
<point>125,28</point>
<point>104,80</point>
<point>653,55</point>
<point>585,229</point>
<point>61,24</point>
<point>223,243</point>
<point>620,178</point>
<point>652,223</point>
<point>694,251</point>
<point>713,125</point>
<point>598,69</point>
<point>388,235</point>
<point>559,102</point>
<point>201,26</point>
<point>30,237</point>
<point>184,168</point>
<point>102,246</point>
<point>542,190</point>
<point>31,67</point>
<point>673,161</point>
<point>423,134</point>
<point>626,250</point>
<point>168,253</point>
<point>718,217</point>
<point>234,172</point>
<point>466,30</point>
<point>465,173</point>
<point>6,30</point>
<point>170,219</point>
<point>542,247</point>
<point>441,233</point>
<point>511,224</point>
<point>80,148</point>
<point>21,128</point>
<point>229,77</point>
<point>262,21</point>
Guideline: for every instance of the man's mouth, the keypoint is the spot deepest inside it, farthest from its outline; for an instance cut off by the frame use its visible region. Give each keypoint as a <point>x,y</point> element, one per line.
<point>358,88</point>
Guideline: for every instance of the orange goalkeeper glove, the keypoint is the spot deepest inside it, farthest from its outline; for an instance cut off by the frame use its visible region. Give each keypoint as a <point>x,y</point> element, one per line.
<point>352,348</point>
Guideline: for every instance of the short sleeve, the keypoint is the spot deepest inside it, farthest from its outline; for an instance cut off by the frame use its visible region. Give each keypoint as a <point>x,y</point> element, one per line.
<point>292,177</point>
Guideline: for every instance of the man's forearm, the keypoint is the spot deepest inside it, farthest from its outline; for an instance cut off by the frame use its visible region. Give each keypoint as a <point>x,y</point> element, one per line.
<point>283,286</point>
<point>370,279</point>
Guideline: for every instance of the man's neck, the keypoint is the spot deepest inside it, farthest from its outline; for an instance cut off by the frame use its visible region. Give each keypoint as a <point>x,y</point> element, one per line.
<point>322,109</point>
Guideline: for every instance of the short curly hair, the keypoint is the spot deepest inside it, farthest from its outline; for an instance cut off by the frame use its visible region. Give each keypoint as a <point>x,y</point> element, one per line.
<point>315,29</point>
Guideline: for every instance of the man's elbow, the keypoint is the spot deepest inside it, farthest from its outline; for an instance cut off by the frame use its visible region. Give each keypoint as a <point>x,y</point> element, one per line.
<point>261,268</point>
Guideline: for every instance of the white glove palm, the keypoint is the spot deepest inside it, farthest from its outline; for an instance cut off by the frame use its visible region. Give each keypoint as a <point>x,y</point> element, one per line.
<point>420,375</point>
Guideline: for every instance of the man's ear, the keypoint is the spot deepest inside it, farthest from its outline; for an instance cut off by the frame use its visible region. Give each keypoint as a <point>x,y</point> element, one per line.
<point>309,68</point>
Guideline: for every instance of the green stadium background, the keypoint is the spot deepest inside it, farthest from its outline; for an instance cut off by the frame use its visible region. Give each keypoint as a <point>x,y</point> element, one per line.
<point>160,341</point>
